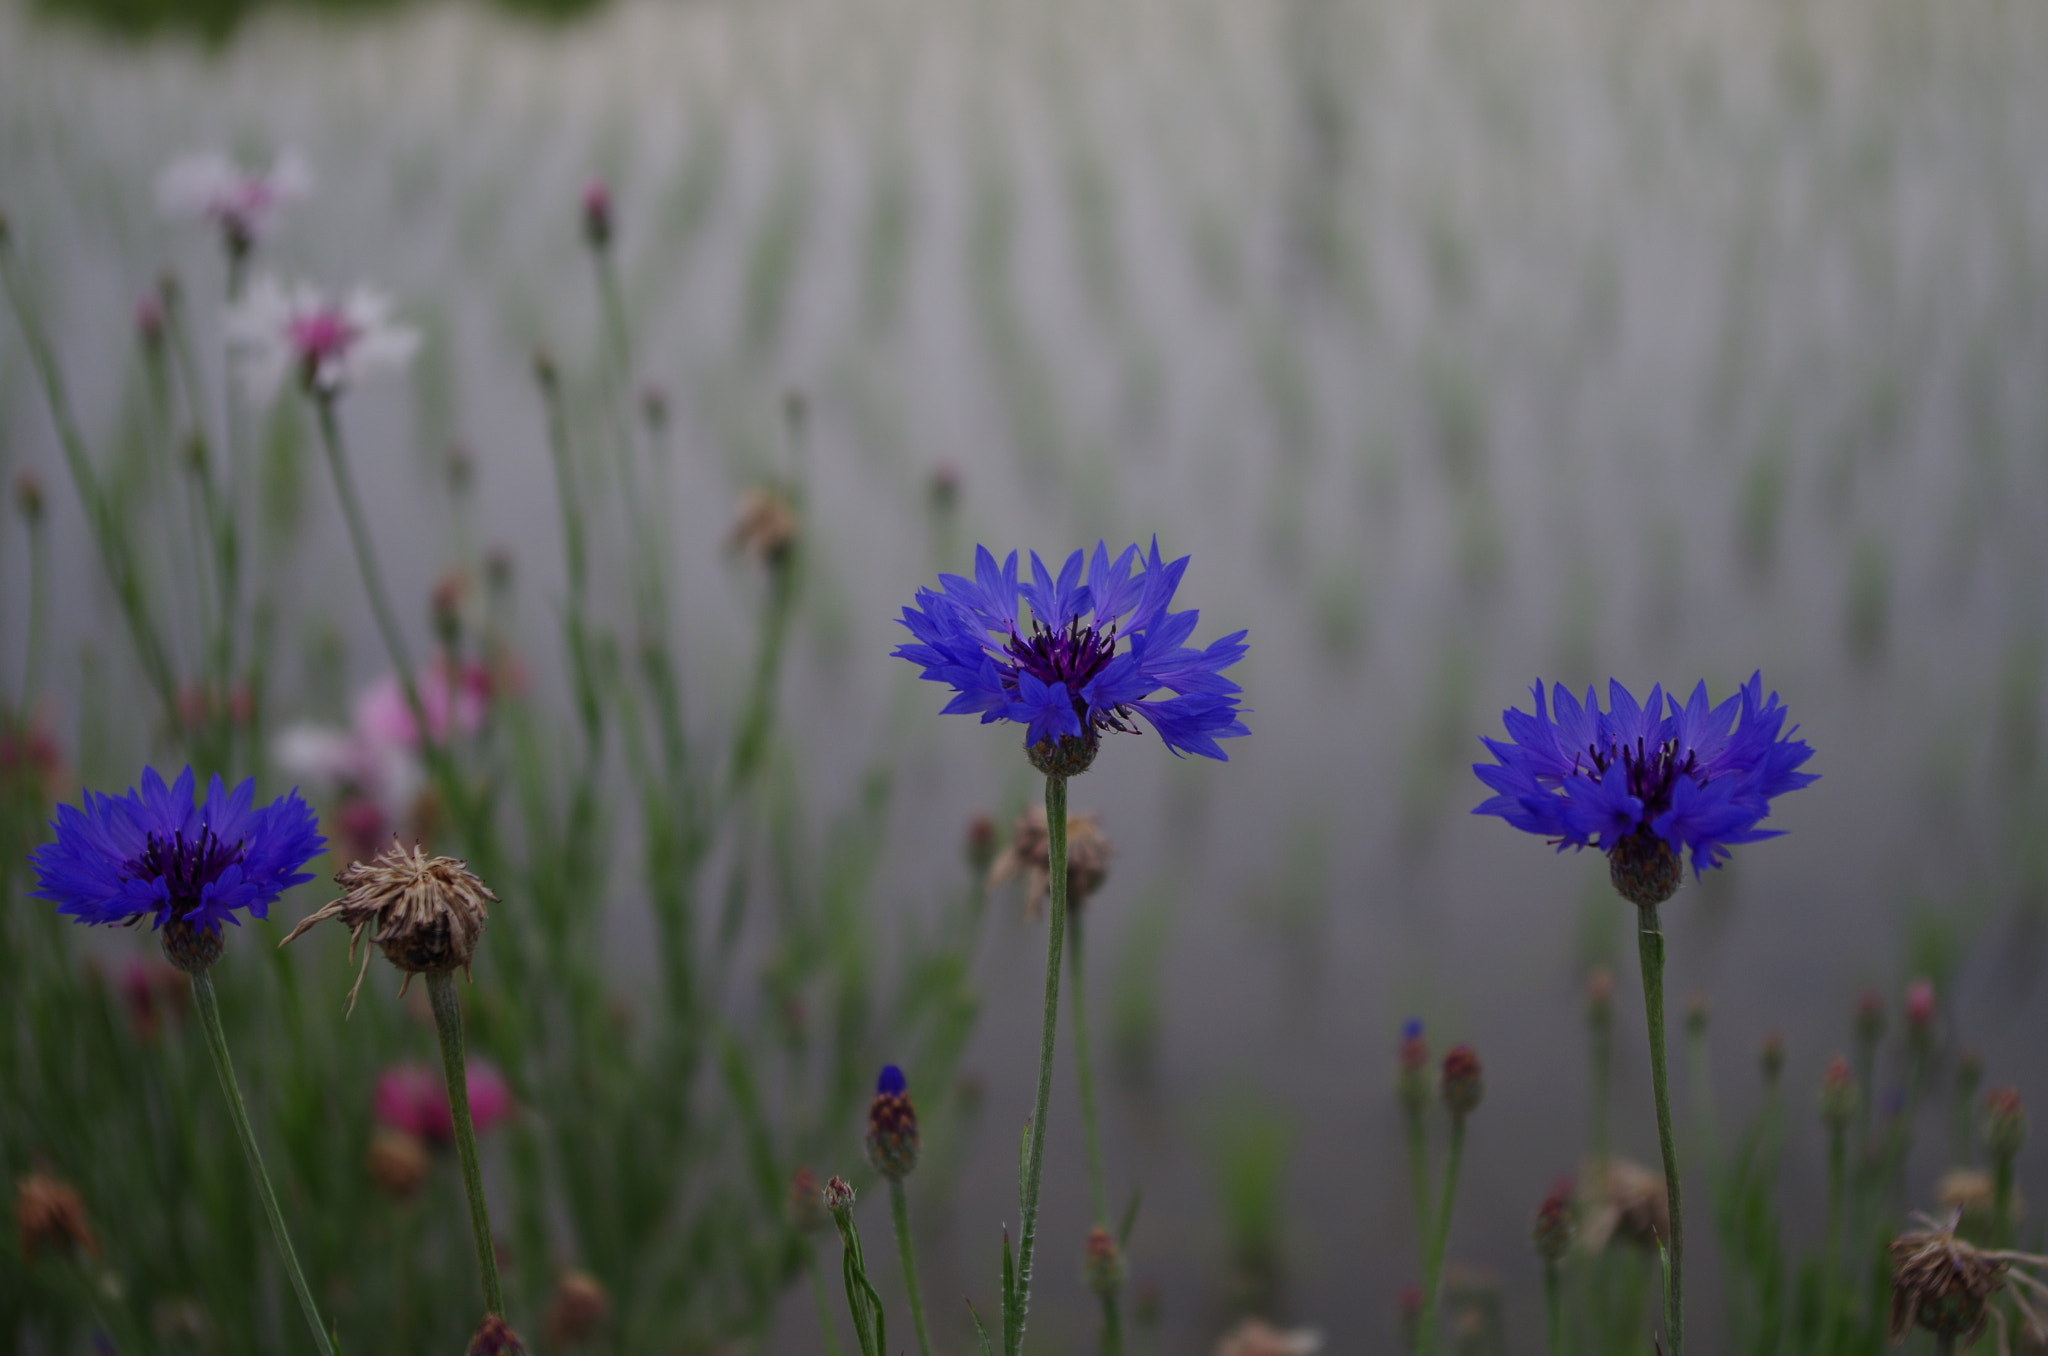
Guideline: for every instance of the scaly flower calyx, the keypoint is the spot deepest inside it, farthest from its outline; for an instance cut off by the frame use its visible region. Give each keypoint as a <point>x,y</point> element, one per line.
<point>892,1126</point>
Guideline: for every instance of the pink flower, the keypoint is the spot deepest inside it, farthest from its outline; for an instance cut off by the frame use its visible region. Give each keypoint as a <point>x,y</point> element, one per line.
<point>1920,1003</point>
<point>414,1100</point>
<point>329,343</point>
<point>242,202</point>
<point>454,704</point>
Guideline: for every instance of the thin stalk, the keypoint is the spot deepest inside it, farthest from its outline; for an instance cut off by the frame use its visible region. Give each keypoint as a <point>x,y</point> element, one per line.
<point>32,649</point>
<point>208,1004</point>
<point>1650,946</point>
<point>2001,1200</point>
<point>1433,1264</point>
<point>1078,1002</point>
<point>221,528</point>
<point>1944,1344</point>
<point>1418,1173</point>
<point>1600,1039</point>
<point>448,1022</point>
<point>1553,1309</point>
<point>1112,1326</point>
<point>366,562</point>
<point>1831,1288</point>
<point>823,1301</point>
<point>1034,1161</point>
<point>899,1206</point>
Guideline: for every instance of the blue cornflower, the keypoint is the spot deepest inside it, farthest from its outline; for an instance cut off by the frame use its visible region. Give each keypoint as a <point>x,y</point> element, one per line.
<point>1644,785</point>
<point>153,854</point>
<point>1060,672</point>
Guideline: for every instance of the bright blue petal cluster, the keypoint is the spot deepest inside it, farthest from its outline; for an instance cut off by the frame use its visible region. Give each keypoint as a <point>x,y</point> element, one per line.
<point>1066,677</point>
<point>153,853</point>
<point>1697,777</point>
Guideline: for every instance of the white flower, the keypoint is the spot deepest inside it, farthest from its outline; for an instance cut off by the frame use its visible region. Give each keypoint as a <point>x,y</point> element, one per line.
<point>329,344</point>
<point>242,202</point>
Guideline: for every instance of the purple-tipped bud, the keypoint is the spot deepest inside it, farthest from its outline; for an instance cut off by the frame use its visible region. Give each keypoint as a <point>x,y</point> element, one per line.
<point>1412,1081</point>
<point>1772,1057</point>
<point>1869,1017</point>
<point>1838,1096</point>
<point>806,1206</point>
<point>2005,1122</point>
<point>1461,1083</point>
<point>597,214</point>
<point>1556,1222</point>
<point>838,1196</point>
<point>494,1337</point>
<point>892,1126</point>
<point>1102,1264</point>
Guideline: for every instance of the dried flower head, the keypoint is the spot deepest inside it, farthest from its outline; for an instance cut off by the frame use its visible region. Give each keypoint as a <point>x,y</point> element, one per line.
<point>1102,1264</point>
<point>50,1215</point>
<point>1969,1193</point>
<point>427,912</point>
<point>1257,1337</point>
<point>1461,1084</point>
<point>581,1308</point>
<point>397,1163</point>
<point>892,1126</point>
<point>1944,1284</point>
<point>1625,1201</point>
<point>1030,855</point>
<point>765,527</point>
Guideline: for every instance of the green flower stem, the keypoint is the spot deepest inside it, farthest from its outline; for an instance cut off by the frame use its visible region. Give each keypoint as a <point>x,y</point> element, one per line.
<point>2001,1200</point>
<point>1944,1344</point>
<point>366,562</point>
<point>823,1302</point>
<point>1553,1309</point>
<point>1439,1240</point>
<point>32,648</point>
<point>448,1021</point>
<point>1650,946</point>
<point>1831,1288</point>
<point>1112,1326</point>
<point>208,1004</point>
<point>1418,1173</point>
<point>1034,1159</point>
<point>899,1206</point>
<point>1098,1193</point>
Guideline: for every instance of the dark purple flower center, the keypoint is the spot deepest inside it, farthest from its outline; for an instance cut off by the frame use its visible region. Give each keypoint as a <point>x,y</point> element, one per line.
<point>187,866</point>
<point>1651,772</point>
<point>1073,655</point>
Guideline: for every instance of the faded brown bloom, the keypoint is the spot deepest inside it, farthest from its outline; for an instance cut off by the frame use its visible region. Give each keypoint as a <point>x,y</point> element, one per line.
<point>428,912</point>
<point>1257,1337</point>
<point>1030,855</point>
<point>1945,1285</point>
<point>50,1215</point>
<point>396,1162</point>
<point>1623,1200</point>
<point>581,1308</point>
<point>765,527</point>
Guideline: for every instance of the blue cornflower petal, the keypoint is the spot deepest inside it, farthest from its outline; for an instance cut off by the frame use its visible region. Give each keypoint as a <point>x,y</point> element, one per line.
<point>1104,649</point>
<point>154,853</point>
<point>1698,776</point>
<point>891,1082</point>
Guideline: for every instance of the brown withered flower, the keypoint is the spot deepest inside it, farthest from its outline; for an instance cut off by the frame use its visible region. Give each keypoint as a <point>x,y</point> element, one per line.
<point>765,527</point>
<point>1944,1284</point>
<point>580,1310</point>
<point>49,1214</point>
<point>1030,855</point>
<point>427,912</point>
<point>1623,1200</point>
<point>396,1162</point>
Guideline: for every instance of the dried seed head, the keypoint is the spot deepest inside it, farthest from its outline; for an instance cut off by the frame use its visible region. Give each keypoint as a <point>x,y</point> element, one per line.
<point>892,1127</point>
<point>1030,855</point>
<point>1461,1083</point>
<point>50,1215</point>
<point>427,913</point>
<point>397,1163</point>
<point>1102,1264</point>
<point>580,1309</point>
<point>765,527</point>
<point>1942,1284</point>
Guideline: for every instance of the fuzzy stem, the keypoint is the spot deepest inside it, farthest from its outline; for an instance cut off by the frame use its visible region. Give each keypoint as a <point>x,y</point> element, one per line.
<point>1439,1240</point>
<point>899,1206</point>
<point>1553,1309</point>
<point>448,1022</point>
<point>1078,1002</point>
<point>1650,946</point>
<point>208,1004</point>
<point>1034,1163</point>
<point>823,1302</point>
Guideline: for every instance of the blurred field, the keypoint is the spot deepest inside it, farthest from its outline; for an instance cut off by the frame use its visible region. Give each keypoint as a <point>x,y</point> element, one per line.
<point>1459,343</point>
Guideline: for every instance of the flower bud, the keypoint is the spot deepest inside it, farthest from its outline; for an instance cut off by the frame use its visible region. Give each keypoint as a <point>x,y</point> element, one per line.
<point>1869,1018</point>
<point>28,497</point>
<point>838,1196</point>
<point>397,1163</point>
<point>597,214</point>
<point>1838,1095</point>
<point>1461,1085</point>
<point>1412,1082</point>
<point>1920,1007</point>
<point>1556,1223</point>
<point>892,1127</point>
<point>50,1216</point>
<point>2005,1122</point>
<point>1102,1264</point>
<point>494,1337</point>
<point>580,1309</point>
<point>1697,1014</point>
<point>1600,998</point>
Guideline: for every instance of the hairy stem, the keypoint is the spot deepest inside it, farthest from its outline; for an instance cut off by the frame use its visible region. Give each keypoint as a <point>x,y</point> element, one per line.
<point>1650,946</point>
<point>1034,1162</point>
<point>448,1022</point>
